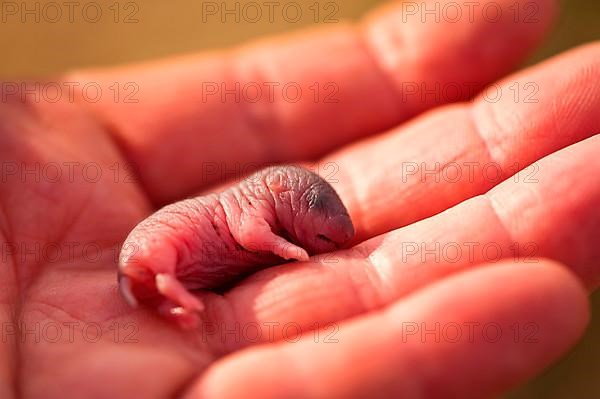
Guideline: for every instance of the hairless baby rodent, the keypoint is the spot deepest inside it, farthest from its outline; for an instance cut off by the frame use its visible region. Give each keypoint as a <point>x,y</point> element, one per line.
<point>204,243</point>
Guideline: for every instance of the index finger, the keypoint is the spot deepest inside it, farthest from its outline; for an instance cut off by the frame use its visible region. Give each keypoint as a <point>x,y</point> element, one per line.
<point>198,119</point>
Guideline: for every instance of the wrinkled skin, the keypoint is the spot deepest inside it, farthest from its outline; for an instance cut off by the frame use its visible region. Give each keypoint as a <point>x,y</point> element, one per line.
<point>368,291</point>
<point>209,242</point>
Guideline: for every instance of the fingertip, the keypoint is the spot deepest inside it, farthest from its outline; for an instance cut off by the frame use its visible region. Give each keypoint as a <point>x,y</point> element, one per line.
<point>571,304</point>
<point>476,43</point>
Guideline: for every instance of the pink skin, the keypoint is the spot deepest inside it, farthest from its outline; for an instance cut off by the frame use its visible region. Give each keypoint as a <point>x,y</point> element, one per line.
<point>209,242</point>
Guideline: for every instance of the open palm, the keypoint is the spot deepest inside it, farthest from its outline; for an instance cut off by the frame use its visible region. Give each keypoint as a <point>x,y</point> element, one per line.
<point>503,182</point>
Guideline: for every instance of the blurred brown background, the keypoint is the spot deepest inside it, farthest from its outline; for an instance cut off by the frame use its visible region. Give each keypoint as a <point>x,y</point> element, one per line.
<point>133,31</point>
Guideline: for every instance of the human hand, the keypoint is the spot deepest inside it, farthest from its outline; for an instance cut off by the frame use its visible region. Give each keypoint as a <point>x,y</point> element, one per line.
<point>367,300</point>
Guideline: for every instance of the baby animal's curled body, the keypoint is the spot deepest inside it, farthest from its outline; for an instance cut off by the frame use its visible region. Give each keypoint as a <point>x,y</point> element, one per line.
<point>280,213</point>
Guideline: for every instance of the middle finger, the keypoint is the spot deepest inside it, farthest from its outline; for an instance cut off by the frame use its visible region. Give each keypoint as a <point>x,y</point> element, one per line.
<point>461,151</point>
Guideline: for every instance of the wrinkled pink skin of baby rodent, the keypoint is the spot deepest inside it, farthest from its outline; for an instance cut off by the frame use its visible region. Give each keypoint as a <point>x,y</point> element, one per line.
<point>209,242</point>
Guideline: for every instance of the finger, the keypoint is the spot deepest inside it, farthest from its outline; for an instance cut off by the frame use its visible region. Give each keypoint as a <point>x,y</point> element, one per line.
<point>557,216</point>
<point>472,335</point>
<point>184,131</point>
<point>461,151</point>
